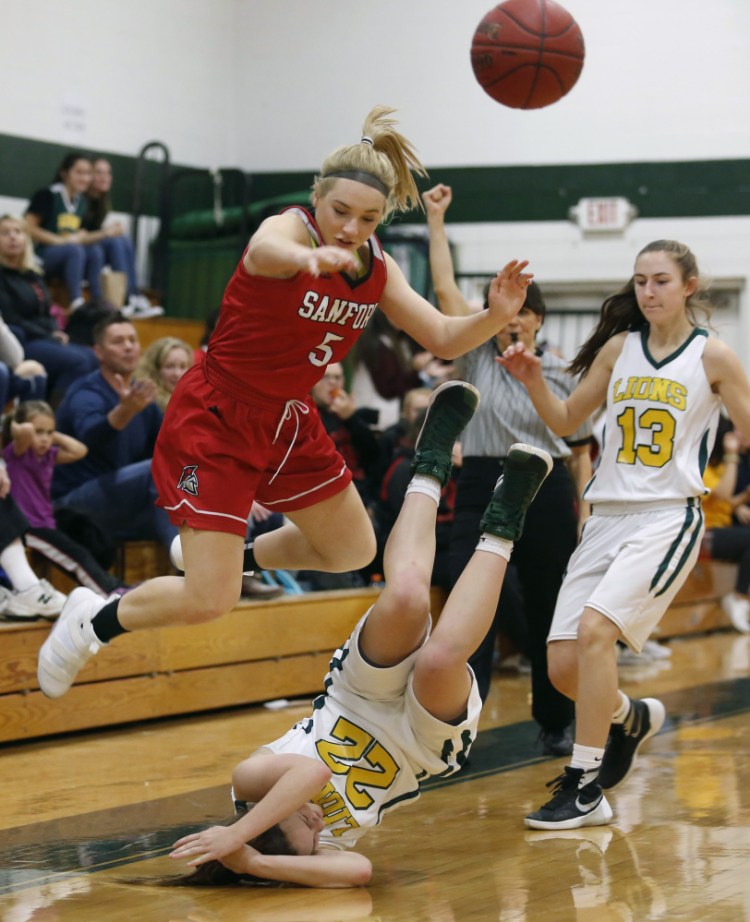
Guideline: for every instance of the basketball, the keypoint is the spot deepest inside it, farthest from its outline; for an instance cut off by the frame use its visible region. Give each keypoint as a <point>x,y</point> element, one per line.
<point>527,54</point>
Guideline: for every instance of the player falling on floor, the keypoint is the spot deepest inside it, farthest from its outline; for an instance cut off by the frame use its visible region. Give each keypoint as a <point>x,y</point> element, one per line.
<point>663,379</point>
<point>401,702</point>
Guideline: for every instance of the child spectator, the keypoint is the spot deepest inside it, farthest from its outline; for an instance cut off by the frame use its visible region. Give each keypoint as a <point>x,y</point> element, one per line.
<point>34,450</point>
<point>28,597</point>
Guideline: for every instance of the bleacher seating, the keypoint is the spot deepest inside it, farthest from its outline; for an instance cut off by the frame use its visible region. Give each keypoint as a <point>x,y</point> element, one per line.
<point>258,652</point>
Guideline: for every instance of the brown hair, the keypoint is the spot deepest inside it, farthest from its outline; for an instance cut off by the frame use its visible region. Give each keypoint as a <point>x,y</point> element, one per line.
<point>620,312</point>
<point>213,873</point>
<point>384,154</point>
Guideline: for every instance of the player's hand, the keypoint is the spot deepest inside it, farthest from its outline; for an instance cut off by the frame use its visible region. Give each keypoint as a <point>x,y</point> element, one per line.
<point>522,363</point>
<point>507,291</point>
<point>437,200</point>
<point>328,259</point>
<point>211,844</point>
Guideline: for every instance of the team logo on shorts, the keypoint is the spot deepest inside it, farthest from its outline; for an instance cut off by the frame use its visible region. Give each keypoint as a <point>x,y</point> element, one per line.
<point>189,480</point>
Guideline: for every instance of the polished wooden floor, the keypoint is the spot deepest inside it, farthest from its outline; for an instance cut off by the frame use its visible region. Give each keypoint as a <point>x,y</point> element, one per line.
<point>83,813</point>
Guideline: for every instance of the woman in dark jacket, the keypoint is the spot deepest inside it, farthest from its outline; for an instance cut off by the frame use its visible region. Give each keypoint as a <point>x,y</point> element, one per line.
<point>25,307</point>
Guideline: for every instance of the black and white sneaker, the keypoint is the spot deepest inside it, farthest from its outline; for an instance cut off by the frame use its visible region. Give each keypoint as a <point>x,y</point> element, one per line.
<point>572,806</point>
<point>645,718</point>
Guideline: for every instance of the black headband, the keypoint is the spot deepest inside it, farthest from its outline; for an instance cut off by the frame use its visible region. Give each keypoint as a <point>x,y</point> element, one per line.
<point>360,176</point>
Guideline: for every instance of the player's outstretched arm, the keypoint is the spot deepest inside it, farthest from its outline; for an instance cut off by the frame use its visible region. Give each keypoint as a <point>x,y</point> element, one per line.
<point>326,868</point>
<point>281,247</point>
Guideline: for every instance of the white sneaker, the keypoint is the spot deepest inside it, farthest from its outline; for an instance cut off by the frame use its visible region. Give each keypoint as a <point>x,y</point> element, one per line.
<point>655,650</point>
<point>4,597</point>
<point>41,600</point>
<point>175,554</point>
<point>140,308</point>
<point>71,643</point>
<point>738,610</point>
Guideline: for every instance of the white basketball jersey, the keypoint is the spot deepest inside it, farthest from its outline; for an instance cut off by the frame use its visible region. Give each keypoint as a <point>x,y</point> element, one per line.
<point>660,425</point>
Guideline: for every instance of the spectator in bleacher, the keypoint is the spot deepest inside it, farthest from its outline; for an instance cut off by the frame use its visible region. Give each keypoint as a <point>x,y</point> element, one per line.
<point>55,218</point>
<point>164,362</point>
<point>241,426</point>
<point>115,241</point>
<point>723,539</point>
<point>31,454</point>
<point>388,363</point>
<point>506,415</point>
<point>117,419</point>
<point>393,437</point>
<point>20,378</point>
<point>25,306</point>
<point>741,512</point>
<point>27,597</point>
<point>349,426</point>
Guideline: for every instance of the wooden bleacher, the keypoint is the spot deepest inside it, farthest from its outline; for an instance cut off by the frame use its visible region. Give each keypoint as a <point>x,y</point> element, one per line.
<point>696,607</point>
<point>258,652</point>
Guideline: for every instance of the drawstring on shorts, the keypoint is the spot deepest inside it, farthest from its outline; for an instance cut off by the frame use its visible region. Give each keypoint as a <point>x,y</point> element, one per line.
<point>291,408</point>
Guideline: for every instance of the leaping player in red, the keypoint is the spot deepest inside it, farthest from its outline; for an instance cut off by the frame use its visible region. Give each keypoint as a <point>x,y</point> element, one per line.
<point>241,426</point>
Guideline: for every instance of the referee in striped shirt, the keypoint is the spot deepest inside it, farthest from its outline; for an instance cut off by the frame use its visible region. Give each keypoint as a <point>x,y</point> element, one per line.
<point>507,415</point>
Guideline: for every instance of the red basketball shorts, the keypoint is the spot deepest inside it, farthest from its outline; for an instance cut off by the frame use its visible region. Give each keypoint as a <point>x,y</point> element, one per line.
<point>216,454</point>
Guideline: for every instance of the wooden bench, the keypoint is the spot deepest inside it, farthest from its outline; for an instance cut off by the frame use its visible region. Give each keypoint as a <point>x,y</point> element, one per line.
<point>696,607</point>
<point>258,652</point>
<point>136,562</point>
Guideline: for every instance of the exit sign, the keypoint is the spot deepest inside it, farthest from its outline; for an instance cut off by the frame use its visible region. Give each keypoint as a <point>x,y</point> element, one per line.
<point>593,215</point>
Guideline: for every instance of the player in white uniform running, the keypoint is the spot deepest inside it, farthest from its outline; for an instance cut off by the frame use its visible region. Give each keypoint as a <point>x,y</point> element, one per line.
<point>663,379</point>
<point>400,701</point>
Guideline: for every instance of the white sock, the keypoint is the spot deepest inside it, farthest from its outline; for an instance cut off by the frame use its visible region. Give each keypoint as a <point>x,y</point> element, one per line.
<point>16,565</point>
<point>589,759</point>
<point>500,546</point>
<point>429,486</point>
<point>622,709</point>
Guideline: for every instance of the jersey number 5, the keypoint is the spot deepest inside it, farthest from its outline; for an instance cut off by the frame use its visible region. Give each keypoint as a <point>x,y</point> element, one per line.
<point>357,744</point>
<point>661,425</point>
<point>322,354</point>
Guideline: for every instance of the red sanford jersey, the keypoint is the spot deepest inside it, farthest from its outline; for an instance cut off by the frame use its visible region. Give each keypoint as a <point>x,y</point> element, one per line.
<point>275,337</point>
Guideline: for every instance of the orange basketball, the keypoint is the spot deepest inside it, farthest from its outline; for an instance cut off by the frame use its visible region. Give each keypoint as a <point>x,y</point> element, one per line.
<point>527,54</point>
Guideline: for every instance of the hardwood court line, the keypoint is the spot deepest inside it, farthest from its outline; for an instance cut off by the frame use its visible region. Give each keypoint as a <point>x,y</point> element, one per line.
<point>498,750</point>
